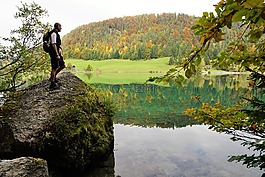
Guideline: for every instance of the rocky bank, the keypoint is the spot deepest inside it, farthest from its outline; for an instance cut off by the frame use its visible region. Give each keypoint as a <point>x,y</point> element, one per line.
<point>71,127</point>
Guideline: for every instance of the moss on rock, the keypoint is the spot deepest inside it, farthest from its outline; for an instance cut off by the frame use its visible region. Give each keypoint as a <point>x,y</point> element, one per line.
<point>82,134</point>
<point>71,127</point>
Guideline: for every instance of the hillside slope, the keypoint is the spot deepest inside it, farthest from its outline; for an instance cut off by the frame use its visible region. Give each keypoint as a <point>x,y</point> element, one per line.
<point>134,37</point>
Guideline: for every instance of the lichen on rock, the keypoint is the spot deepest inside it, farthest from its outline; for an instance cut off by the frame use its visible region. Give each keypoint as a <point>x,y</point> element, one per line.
<point>70,127</point>
<point>24,167</point>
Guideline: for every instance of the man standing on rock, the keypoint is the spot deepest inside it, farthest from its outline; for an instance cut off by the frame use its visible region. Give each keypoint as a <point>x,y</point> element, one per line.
<point>57,62</point>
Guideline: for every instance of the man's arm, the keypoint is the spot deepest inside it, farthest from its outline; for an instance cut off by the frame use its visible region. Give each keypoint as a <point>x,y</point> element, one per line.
<point>54,46</point>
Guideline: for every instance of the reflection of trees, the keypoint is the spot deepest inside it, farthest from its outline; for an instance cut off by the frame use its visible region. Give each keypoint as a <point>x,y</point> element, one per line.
<point>168,121</point>
<point>245,121</point>
<point>160,106</point>
<point>220,82</point>
<point>153,105</point>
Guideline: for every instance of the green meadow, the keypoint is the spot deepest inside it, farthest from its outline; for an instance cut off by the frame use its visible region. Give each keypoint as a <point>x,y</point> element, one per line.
<point>119,71</point>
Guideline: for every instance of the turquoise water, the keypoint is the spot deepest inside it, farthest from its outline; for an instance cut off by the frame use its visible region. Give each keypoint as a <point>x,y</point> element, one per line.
<point>154,139</point>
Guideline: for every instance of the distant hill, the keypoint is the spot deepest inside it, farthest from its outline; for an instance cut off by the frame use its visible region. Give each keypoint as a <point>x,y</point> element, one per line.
<point>134,37</point>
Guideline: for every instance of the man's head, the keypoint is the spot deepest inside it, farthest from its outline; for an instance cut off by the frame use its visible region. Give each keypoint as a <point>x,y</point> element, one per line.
<point>58,27</point>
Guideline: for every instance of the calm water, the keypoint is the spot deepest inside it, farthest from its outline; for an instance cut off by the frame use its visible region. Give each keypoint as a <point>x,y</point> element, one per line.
<point>193,151</point>
<point>153,138</point>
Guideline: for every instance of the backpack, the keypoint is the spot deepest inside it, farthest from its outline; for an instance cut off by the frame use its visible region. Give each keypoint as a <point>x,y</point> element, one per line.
<point>47,41</point>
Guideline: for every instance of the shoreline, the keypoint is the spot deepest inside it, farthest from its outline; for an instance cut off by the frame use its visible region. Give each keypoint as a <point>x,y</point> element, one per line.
<point>224,73</point>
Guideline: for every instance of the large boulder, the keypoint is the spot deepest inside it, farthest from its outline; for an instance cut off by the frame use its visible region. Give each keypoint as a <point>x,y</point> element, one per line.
<point>24,167</point>
<point>70,127</point>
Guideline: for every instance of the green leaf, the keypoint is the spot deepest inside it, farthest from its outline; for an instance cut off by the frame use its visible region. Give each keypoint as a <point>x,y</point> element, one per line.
<point>205,14</point>
<point>180,78</point>
<point>218,36</point>
<point>244,63</point>
<point>254,37</point>
<point>198,61</point>
<point>227,12</point>
<point>172,70</point>
<point>207,24</point>
<point>238,15</point>
<point>249,15</point>
<point>233,6</point>
<point>192,68</point>
<point>188,73</point>
<point>166,81</point>
<point>249,4</point>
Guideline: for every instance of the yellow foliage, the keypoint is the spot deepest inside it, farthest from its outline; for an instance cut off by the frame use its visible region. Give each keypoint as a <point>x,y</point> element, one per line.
<point>77,50</point>
<point>107,48</point>
<point>125,49</point>
<point>149,98</point>
<point>205,105</point>
<point>159,52</point>
<point>252,48</point>
<point>125,94</point>
<point>109,94</point>
<point>218,103</point>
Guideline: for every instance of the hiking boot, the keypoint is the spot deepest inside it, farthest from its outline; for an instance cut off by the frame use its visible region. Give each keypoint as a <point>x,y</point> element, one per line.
<point>53,86</point>
<point>55,80</point>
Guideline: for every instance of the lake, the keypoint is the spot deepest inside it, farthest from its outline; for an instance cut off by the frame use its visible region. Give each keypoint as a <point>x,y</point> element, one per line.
<point>154,139</point>
<point>192,151</point>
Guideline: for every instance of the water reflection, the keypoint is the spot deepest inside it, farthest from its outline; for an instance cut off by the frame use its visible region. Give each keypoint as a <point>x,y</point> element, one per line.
<point>153,138</point>
<point>186,152</point>
<point>191,151</point>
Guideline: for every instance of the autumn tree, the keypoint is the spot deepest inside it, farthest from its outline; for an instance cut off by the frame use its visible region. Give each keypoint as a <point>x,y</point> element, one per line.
<point>244,121</point>
<point>22,57</point>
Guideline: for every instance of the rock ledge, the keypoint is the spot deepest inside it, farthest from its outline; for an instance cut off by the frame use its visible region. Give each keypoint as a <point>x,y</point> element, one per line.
<point>70,127</point>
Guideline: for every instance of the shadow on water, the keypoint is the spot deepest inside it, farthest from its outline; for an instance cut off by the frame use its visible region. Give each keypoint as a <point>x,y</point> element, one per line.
<point>106,169</point>
<point>154,138</point>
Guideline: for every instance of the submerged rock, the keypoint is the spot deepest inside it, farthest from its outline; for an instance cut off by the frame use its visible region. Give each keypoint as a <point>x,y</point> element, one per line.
<point>70,127</point>
<point>24,167</point>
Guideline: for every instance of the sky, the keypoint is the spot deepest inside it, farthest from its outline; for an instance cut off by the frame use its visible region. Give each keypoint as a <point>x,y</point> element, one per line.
<point>74,13</point>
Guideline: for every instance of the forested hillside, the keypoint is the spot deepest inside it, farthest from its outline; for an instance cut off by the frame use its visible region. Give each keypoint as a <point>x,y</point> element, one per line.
<point>136,37</point>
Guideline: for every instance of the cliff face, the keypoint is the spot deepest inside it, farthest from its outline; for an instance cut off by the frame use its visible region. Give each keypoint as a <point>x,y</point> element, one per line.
<point>70,127</point>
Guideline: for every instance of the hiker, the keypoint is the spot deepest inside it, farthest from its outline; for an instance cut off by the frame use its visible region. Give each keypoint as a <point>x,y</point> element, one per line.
<point>57,62</point>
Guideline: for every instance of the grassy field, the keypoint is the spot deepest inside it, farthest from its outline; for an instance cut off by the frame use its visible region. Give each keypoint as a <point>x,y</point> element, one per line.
<point>127,71</point>
<point>120,71</point>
